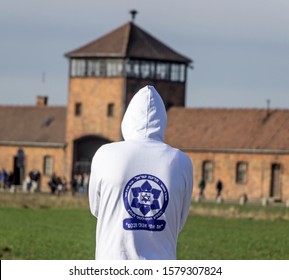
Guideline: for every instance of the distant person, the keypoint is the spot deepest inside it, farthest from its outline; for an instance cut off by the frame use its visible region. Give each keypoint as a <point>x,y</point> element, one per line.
<point>219,188</point>
<point>27,184</point>
<point>202,186</point>
<point>85,182</point>
<point>3,178</point>
<point>64,184</point>
<point>79,179</point>
<point>10,180</point>
<point>59,187</point>
<point>73,184</point>
<point>140,188</point>
<point>53,183</point>
<point>35,180</point>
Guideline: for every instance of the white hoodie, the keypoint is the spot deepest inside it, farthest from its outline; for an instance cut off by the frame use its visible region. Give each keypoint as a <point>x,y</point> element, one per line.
<point>140,189</point>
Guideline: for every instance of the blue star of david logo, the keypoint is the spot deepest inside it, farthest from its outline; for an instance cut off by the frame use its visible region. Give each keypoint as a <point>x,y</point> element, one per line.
<point>145,198</point>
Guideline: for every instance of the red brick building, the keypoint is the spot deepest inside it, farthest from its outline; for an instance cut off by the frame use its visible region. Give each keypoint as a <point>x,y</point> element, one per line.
<point>104,75</point>
<point>247,149</point>
<point>33,137</point>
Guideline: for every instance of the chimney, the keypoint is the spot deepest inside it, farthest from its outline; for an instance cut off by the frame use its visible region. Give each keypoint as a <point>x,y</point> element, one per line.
<point>268,112</point>
<point>268,107</point>
<point>42,100</point>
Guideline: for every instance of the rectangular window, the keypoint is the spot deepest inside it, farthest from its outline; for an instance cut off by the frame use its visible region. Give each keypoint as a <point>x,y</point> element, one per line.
<point>78,109</point>
<point>48,165</point>
<point>78,68</point>
<point>140,68</point>
<point>182,73</point>
<point>114,68</point>
<point>135,69</point>
<point>241,172</point>
<point>147,69</point>
<point>132,68</point>
<point>208,170</point>
<point>110,110</point>
<point>162,71</point>
<point>93,68</point>
<point>177,73</point>
<point>128,69</point>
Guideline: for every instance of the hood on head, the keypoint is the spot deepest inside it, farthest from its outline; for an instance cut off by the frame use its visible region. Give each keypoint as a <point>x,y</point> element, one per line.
<point>145,116</point>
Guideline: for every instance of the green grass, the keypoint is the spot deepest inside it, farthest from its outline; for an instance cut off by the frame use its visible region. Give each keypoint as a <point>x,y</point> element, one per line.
<point>233,210</point>
<point>55,230</point>
<point>233,239</point>
<point>49,234</point>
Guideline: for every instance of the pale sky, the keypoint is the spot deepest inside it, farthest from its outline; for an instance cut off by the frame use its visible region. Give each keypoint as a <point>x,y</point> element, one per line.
<point>240,48</point>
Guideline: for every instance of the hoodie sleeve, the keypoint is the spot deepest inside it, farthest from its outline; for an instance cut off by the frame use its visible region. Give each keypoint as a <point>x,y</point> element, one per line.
<point>95,184</point>
<point>188,177</point>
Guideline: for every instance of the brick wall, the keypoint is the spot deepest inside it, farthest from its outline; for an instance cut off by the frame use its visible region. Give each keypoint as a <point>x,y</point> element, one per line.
<point>259,174</point>
<point>95,94</point>
<point>34,158</point>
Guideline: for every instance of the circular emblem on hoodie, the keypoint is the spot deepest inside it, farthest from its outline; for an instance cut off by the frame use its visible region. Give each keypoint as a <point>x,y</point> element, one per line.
<point>145,199</point>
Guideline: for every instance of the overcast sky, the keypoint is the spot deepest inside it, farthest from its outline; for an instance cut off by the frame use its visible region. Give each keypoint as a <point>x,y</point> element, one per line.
<point>240,49</point>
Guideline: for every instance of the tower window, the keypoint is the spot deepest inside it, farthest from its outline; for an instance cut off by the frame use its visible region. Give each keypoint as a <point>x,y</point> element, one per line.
<point>182,73</point>
<point>177,72</point>
<point>162,71</point>
<point>110,110</point>
<point>147,69</point>
<point>114,68</point>
<point>78,68</point>
<point>93,67</point>
<point>78,109</point>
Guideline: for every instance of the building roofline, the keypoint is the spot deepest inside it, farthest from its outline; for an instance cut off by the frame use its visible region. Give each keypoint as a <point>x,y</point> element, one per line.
<point>236,151</point>
<point>32,144</point>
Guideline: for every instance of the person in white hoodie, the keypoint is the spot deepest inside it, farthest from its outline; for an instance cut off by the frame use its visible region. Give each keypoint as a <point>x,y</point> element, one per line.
<point>140,188</point>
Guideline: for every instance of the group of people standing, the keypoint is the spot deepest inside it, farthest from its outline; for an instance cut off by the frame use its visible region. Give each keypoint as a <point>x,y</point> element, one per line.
<point>32,181</point>
<point>57,184</point>
<point>6,179</point>
<point>79,184</point>
<point>202,186</point>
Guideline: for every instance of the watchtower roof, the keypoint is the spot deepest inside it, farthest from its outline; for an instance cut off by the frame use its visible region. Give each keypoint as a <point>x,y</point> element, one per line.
<point>128,41</point>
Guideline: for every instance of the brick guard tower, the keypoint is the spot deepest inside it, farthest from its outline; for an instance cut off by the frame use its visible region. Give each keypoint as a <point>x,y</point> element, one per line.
<point>104,75</point>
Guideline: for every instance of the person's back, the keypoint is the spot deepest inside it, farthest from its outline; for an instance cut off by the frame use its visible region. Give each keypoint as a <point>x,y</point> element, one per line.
<point>140,189</point>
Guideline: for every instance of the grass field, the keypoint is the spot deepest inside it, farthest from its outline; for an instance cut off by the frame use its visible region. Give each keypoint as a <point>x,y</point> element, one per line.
<point>46,227</point>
